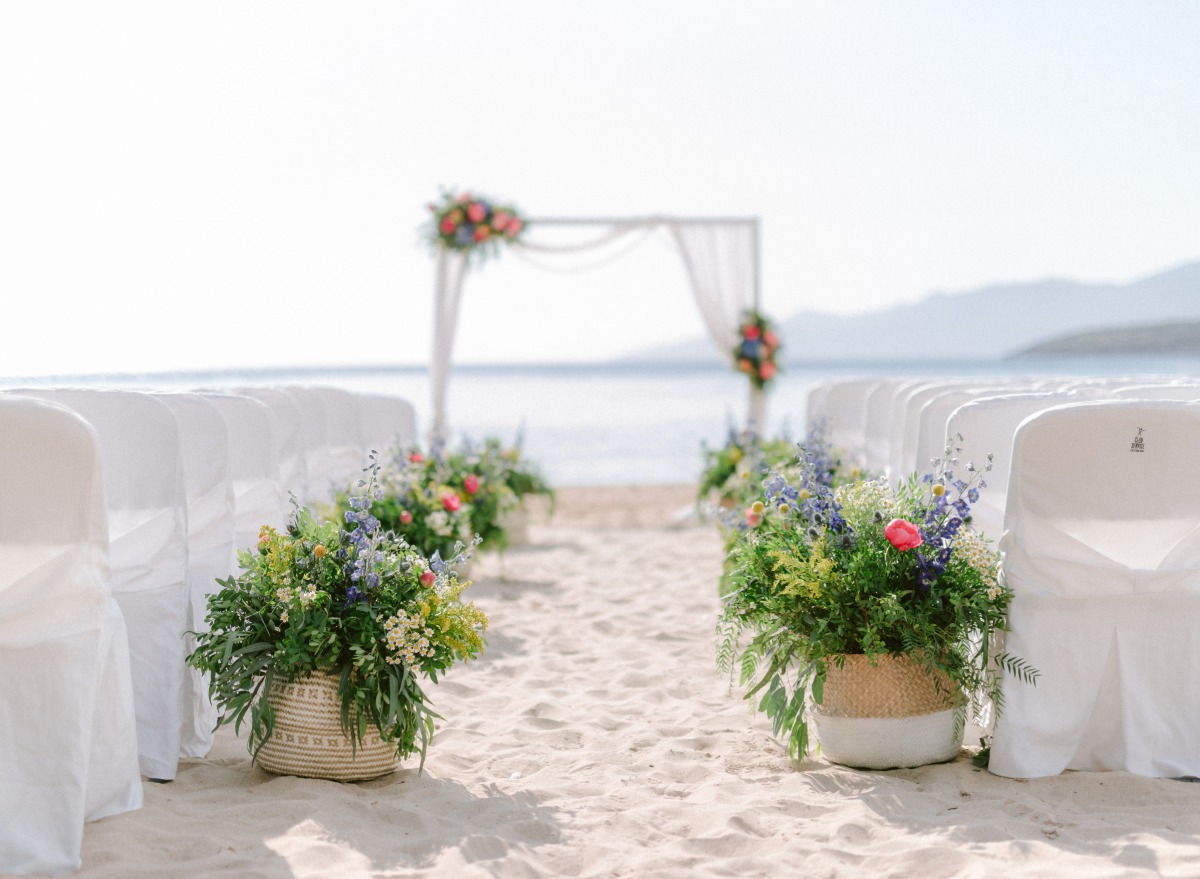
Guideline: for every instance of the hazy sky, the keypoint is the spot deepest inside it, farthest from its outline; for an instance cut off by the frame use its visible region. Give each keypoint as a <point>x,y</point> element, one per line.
<point>216,184</point>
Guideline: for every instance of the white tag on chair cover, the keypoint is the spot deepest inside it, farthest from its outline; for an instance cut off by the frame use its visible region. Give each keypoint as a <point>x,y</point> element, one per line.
<point>68,741</point>
<point>1102,552</point>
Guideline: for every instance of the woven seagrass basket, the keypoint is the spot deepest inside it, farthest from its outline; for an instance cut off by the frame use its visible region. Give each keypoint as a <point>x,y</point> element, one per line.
<point>895,713</point>
<point>895,686</point>
<point>308,740</point>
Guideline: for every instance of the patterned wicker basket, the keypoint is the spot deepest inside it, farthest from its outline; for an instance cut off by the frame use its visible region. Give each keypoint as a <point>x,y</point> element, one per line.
<point>888,715</point>
<point>308,740</point>
<point>895,686</point>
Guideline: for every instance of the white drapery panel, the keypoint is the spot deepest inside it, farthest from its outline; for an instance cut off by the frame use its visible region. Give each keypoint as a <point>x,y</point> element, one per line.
<point>720,257</point>
<point>451,267</point>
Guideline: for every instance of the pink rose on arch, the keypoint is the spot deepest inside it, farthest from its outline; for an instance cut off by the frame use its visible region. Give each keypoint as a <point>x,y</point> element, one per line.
<point>476,213</point>
<point>750,331</point>
<point>902,534</point>
<point>471,483</point>
<point>447,226</point>
<point>514,227</point>
<point>451,502</point>
<point>767,371</point>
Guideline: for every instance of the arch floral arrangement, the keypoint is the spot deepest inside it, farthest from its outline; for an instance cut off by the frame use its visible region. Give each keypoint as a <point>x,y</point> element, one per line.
<point>824,573</point>
<point>473,224</point>
<point>755,351</point>
<point>358,602</point>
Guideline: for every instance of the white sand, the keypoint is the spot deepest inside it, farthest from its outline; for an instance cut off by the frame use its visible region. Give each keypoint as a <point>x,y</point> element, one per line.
<point>597,738</point>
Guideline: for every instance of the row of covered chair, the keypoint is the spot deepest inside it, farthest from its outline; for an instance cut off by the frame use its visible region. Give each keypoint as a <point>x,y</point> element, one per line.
<point>1095,499</point>
<point>127,506</point>
<point>897,426</point>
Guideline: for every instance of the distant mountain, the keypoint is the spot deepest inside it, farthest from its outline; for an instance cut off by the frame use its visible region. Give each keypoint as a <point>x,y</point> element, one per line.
<point>1172,338</point>
<point>988,323</point>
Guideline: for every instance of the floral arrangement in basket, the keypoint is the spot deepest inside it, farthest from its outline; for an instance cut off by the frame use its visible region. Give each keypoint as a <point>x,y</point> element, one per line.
<point>473,224</point>
<point>523,478</point>
<point>358,602</point>
<point>439,499</point>
<point>755,352</point>
<point>824,573</point>
<point>733,474</point>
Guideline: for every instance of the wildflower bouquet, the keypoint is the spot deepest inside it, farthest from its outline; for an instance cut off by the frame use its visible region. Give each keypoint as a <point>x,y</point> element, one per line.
<point>522,477</point>
<point>470,223</point>
<point>360,603</point>
<point>862,569</point>
<point>755,352</point>
<point>733,474</point>
<point>435,501</point>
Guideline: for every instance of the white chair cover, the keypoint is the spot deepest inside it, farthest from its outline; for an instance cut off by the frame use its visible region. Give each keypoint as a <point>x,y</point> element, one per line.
<point>343,439</point>
<point>258,497</point>
<point>1102,551</point>
<point>987,426</point>
<point>877,450</point>
<point>208,485</point>
<point>846,416</point>
<point>386,422</point>
<point>931,423</point>
<point>289,441</point>
<point>147,524</point>
<point>814,404</point>
<point>1172,391</point>
<point>68,739</point>
<point>314,423</point>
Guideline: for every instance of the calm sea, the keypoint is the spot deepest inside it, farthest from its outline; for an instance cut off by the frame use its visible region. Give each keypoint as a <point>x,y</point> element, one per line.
<point>614,424</point>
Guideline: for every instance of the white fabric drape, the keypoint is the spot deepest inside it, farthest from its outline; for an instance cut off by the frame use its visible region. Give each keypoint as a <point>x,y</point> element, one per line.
<point>720,257</point>
<point>451,267</point>
<point>722,264</point>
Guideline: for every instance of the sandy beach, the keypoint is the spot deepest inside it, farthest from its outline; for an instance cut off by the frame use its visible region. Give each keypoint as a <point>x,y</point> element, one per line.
<point>596,737</point>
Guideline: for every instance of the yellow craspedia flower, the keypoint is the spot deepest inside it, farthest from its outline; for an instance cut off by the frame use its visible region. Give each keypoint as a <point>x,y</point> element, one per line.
<point>784,509</point>
<point>938,489</point>
<point>804,494</point>
<point>757,508</point>
<point>319,551</point>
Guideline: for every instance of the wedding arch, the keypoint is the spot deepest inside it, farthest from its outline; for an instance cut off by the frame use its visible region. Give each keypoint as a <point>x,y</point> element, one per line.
<point>720,256</point>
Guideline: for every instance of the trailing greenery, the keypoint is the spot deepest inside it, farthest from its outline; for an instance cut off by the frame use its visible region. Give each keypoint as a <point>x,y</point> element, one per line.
<point>358,602</point>
<point>820,572</point>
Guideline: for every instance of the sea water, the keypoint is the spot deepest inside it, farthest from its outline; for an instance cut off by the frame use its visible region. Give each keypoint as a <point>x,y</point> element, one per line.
<point>615,424</point>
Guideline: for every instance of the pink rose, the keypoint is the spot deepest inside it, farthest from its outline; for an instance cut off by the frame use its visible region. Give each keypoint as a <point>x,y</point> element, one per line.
<point>902,534</point>
<point>500,220</point>
<point>476,213</point>
<point>447,226</point>
<point>752,518</point>
<point>471,484</point>
<point>750,331</point>
<point>416,457</point>
<point>451,502</point>
<point>767,371</point>
<point>427,578</point>
<point>514,227</point>
<point>405,517</point>
<point>771,339</point>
